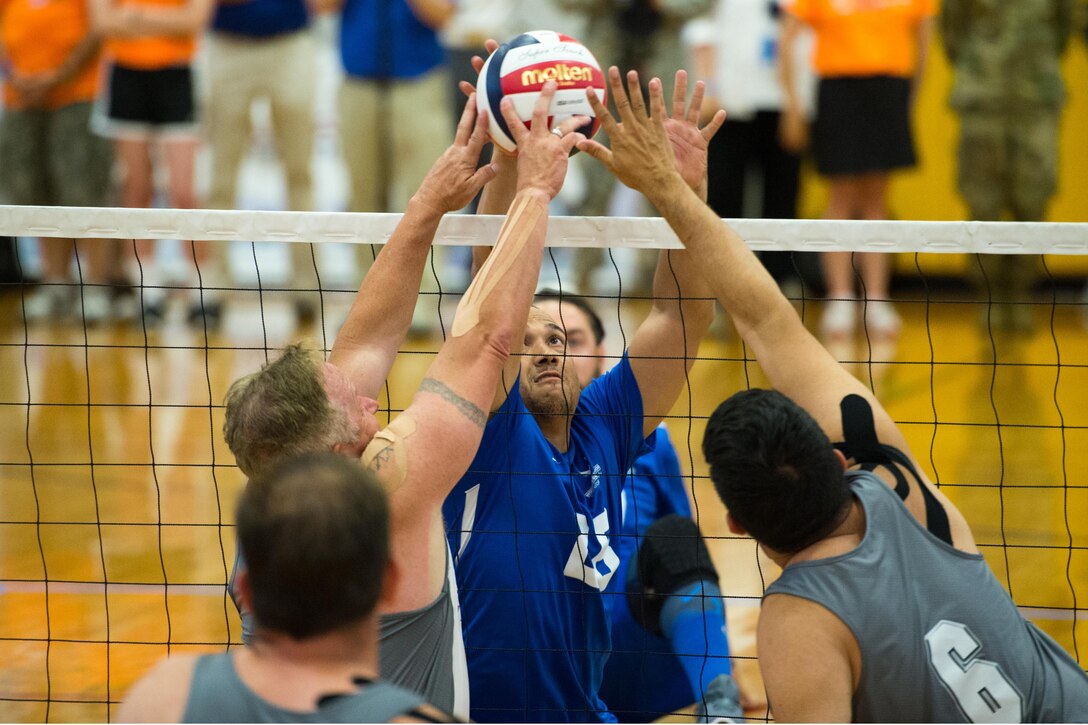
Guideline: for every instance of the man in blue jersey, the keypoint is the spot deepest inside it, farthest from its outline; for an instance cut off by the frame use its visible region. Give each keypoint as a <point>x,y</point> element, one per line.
<point>885,609</point>
<point>532,523</point>
<point>315,531</point>
<point>295,404</point>
<point>664,661</point>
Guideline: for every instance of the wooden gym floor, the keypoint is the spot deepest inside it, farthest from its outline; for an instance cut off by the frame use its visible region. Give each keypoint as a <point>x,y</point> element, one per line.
<point>1008,442</point>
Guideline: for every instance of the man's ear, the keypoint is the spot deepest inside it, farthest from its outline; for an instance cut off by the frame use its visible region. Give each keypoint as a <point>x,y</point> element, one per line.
<point>734,527</point>
<point>244,589</point>
<point>842,458</point>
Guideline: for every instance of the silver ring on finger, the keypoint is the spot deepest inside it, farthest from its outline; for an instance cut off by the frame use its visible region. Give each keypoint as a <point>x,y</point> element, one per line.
<point>557,132</point>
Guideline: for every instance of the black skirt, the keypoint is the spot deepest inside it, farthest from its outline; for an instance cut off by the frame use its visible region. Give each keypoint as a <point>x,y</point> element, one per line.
<point>862,125</point>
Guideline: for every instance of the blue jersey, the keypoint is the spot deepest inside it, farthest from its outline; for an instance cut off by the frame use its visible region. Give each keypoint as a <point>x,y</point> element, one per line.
<point>532,529</point>
<point>643,679</point>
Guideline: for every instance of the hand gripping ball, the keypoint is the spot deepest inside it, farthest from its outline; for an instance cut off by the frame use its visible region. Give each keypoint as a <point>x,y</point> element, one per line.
<point>519,68</point>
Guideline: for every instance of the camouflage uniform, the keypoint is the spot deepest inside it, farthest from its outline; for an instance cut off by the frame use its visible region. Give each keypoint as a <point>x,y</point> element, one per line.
<point>625,33</point>
<point>1008,91</point>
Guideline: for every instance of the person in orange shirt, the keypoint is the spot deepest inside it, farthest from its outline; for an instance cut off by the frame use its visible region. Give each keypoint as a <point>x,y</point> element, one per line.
<point>48,155</point>
<point>870,56</point>
<point>150,100</point>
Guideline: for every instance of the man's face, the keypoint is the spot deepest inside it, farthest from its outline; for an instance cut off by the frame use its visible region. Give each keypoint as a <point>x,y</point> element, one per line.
<point>549,386</point>
<point>584,353</point>
<point>359,409</point>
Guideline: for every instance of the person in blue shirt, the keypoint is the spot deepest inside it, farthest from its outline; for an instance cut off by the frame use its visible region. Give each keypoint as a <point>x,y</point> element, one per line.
<point>534,521</point>
<point>265,49</point>
<point>295,404</point>
<point>392,123</point>
<point>645,677</point>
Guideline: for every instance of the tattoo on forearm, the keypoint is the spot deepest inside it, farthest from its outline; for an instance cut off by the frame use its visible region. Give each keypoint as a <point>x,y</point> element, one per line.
<point>468,409</point>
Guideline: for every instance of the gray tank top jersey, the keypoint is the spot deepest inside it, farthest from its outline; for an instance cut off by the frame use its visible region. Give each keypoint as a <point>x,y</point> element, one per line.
<point>422,650</point>
<point>217,694</point>
<point>940,639</point>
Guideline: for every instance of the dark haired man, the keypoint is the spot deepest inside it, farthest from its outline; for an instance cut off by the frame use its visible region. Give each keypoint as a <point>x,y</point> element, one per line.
<point>669,643</point>
<point>315,533</point>
<point>884,610</point>
<point>295,404</point>
<point>532,522</point>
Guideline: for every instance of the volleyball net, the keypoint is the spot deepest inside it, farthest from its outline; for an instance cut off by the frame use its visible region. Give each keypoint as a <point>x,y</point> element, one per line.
<point>117,491</point>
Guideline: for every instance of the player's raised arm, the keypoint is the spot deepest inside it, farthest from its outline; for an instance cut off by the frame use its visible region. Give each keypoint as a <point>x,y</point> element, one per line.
<point>666,344</point>
<point>380,316</point>
<point>426,449</point>
<point>794,361</point>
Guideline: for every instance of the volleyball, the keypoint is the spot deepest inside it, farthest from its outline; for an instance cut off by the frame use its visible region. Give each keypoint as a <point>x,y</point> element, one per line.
<point>519,68</point>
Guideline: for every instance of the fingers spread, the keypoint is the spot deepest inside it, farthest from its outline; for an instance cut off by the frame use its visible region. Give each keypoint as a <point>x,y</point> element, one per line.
<point>679,94</point>
<point>619,94</point>
<point>483,175</point>
<point>573,123</point>
<point>607,122</point>
<point>697,102</point>
<point>715,124</point>
<point>465,124</point>
<point>657,101</point>
<point>466,87</point>
<point>542,106</point>
<point>515,124</point>
<point>596,150</point>
<point>635,92</point>
<point>571,140</point>
<point>479,134</point>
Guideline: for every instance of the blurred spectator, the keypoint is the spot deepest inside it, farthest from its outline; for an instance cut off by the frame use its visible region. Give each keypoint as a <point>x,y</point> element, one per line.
<point>394,118</point>
<point>642,35</point>
<point>149,103</point>
<point>870,56</point>
<point>265,49</point>
<point>48,155</point>
<point>1008,92</point>
<point>735,51</point>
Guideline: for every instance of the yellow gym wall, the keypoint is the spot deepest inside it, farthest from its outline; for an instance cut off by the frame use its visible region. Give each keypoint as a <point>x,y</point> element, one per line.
<point>929,193</point>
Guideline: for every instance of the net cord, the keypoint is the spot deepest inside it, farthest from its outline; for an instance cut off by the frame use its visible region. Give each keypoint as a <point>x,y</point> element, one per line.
<point>812,235</point>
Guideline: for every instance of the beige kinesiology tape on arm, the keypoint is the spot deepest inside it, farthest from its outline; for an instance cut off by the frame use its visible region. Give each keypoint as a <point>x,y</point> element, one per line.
<point>387,453</point>
<point>514,235</point>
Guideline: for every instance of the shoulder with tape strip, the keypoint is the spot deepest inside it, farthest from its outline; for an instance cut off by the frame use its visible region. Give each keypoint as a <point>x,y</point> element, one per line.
<point>387,453</point>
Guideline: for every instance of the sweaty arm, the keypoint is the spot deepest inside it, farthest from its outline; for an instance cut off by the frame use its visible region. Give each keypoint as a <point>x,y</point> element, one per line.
<point>793,360</point>
<point>666,344</point>
<point>809,659</point>
<point>378,321</point>
<point>442,427</point>
<point>161,694</point>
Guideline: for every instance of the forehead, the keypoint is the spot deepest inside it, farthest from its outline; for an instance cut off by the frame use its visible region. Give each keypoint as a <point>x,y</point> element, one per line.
<point>567,315</point>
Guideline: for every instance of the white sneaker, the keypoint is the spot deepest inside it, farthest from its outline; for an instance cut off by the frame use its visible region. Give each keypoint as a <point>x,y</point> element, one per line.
<point>881,320</point>
<point>50,301</point>
<point>839,319</point>
<point>96,304</point>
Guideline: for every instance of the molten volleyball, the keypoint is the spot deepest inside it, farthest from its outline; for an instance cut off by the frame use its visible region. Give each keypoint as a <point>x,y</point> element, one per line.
<point>518,69</point>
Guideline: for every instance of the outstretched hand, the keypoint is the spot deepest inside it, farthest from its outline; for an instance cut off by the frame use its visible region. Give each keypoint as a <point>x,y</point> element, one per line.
<point>454,179</point>
<point>689,142</point>
<point>647,148</point>
<point>542,152</point>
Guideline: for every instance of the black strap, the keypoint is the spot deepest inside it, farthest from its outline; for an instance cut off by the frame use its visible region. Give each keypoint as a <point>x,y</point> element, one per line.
<point>861,444</point>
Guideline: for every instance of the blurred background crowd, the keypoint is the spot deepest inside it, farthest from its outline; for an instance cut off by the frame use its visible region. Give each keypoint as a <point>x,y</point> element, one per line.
<point>341,105</point>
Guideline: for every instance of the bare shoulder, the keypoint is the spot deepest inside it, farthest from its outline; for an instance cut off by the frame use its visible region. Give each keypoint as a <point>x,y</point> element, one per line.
<point>161,694</point>
<point>809,658</point>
